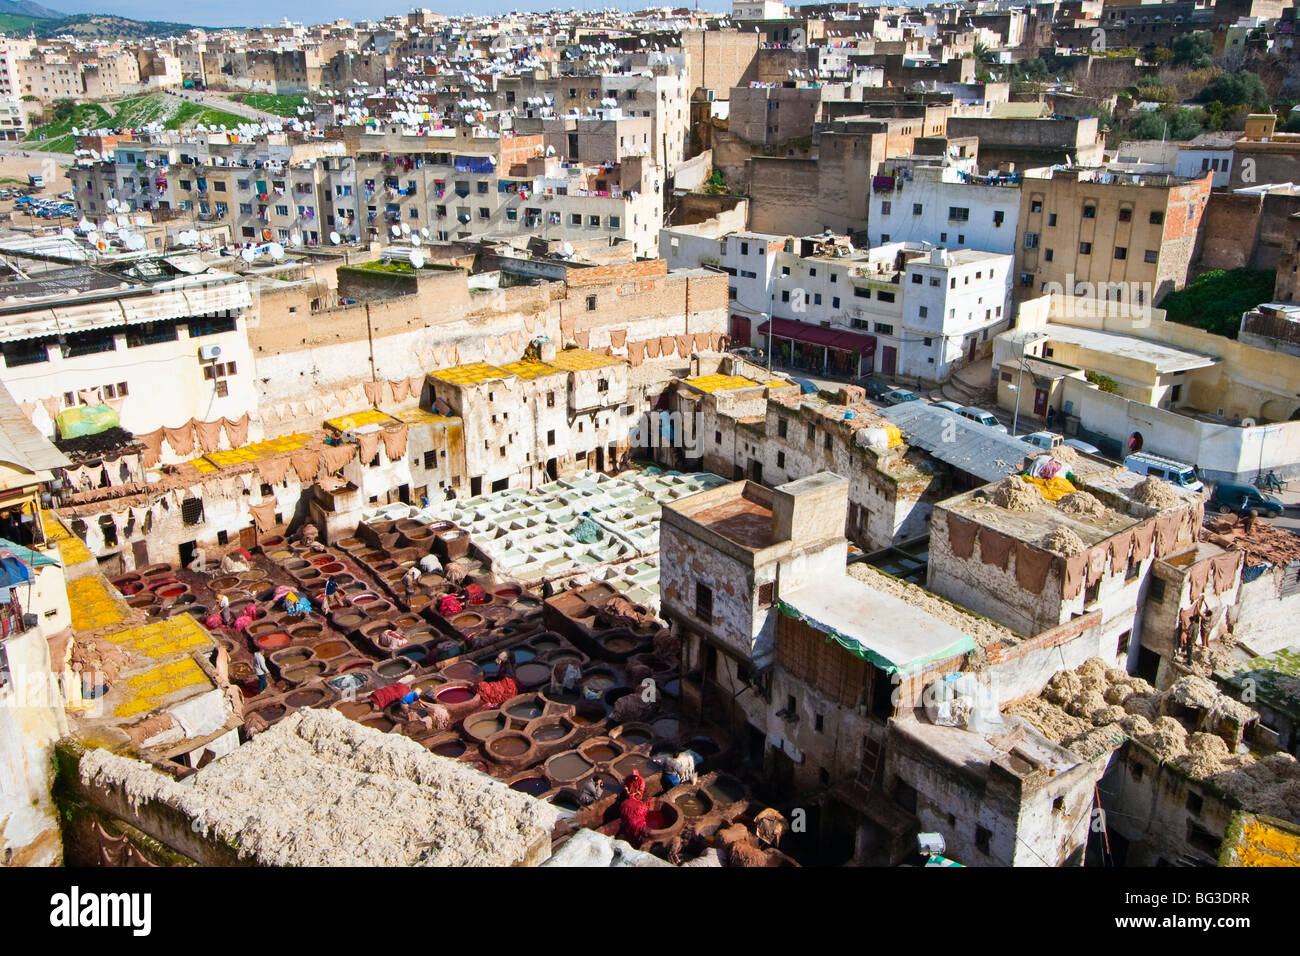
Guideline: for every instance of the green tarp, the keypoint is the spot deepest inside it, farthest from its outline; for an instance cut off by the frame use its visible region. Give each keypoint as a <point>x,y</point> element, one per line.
<point>859,650</point>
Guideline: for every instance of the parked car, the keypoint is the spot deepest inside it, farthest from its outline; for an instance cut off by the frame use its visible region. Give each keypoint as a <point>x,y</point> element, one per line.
<point>1175,472</point>
<point>898,396</point>
<point>1227,499</point>
<point>1044,440</point>
<point>1083,446</point>
<point>874,387</point>
<point>951,406</point>
<point>983,417</point>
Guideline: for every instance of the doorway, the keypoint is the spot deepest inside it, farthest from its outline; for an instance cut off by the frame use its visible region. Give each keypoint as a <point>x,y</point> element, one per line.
<point>888,360</point>
<point>1040,402</point>
<point>188,550</point>
<point>140,550</point>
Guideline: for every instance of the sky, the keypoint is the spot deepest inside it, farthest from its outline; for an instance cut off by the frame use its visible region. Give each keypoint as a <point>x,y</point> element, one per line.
<point>261,12</point>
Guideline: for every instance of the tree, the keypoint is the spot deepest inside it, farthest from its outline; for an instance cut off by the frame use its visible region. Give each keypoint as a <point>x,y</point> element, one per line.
<point>64,110</point>
<point>1236,89</point>
<point>1193,49</point>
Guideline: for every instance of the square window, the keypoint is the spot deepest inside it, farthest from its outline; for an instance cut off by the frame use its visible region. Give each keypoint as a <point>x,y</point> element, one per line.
<point>1085,248</point>
<point>1121,252</point>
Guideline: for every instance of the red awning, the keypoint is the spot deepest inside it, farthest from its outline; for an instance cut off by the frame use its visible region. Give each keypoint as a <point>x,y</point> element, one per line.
<point>816,335</point>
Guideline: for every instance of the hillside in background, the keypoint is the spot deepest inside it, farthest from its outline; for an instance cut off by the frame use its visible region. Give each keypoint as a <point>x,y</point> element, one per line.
<point>131,113</point>
<point>23,17</point>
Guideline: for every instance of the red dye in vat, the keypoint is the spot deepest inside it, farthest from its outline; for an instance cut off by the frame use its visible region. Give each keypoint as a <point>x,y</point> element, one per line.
<point>173,590</point>
<point>455,695</point>
<point>654,820</point>
<point>278,639</point>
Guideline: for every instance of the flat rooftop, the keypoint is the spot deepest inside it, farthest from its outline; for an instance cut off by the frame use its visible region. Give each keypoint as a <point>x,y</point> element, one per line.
<point>875,626</point>
<point>1165,358</point>
<point>741,519</point>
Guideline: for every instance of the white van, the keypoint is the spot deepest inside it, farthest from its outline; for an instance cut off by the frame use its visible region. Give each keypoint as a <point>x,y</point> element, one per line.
<point>1175,472</point>
<point>984,418</point>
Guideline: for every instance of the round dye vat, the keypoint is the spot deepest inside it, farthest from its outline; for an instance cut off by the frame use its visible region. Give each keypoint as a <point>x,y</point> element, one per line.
<point>455,695</point>
<point>321,560</point>
<point>361,600</point>
<point>527,605</point>
<point>253,574</point>
<point>601,753</point>
<point>300,675</point>
<point>172,591</point>
<point>281,555</point>
<point>352,709</point>
<point>308,632</point>
<point>561,696</point>
<point>724,789</point>
<point>526,709</point>
<point>450,748</point>
<point>273,640</point>
<point>310,697</point>
<point>569,765</point>
<point>536,786</point>
<point>226,583</point>
<point>379,723</point>
<point>465,621</point>
<point>271,712</point>
<point>509,745</point>
<point>332,568</point>
<point>638,762</point>
<point>549,733</point>
<point>331,649</point>
<point>292,658</point>
<point>704,746</point>
<point>635,736</point>
<point>532,675</point>
<point>415,655</point>
<point>506,594</point>
<point>599,682</point>
<point>523,654</point>
<point>463,670</point>
<point>693,804</point>
<point>545,643</point>
<point>667,728</point>
<point>581,718</point>
<point>347,622</point>
<point>394,668</point>
<point>660,819</point>
<point>620,645</point>
<point>483,726</point>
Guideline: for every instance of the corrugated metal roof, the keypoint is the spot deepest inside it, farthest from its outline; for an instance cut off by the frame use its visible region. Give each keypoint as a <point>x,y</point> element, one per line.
<point>20,443</point>
<point>959,442</point>
<point>172,300</point>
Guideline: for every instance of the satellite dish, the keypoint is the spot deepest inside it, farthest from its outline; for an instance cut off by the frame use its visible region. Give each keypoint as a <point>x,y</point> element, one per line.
<point>126,205</point>
<point>397,231</point>
<point>85,225</point>
<point>406,229</point>
<point>67,233</point>
<point>276,251</point>
<point>109,227</point>
<point>135,242</point>
<point>247,255</point>
<point>335,238</point>
<point>415,239</point>
<point>425,232</point>
<point>295,238</point>
<point>111,203</point>
<point>417,259</point>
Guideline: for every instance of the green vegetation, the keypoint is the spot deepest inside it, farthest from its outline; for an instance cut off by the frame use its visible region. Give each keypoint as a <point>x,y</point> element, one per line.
<point>279,104</point>
<point>1236,89</point>
<point>90,26</point>
<point>716,183</point>
<point>1193,49</point>
<point>130,113</point>
<point>1215,301</point>
<point>1103,382</point>
<point>394,266</point>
